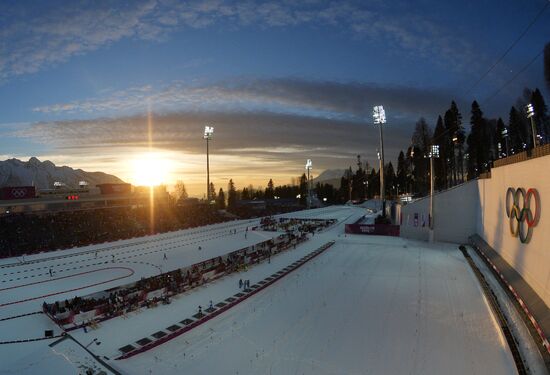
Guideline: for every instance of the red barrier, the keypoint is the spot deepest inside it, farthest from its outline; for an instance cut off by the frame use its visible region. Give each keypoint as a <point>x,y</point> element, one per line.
<point>375,229</point>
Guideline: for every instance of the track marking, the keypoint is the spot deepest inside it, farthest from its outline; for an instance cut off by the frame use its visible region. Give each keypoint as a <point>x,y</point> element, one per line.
<point>73,289</point>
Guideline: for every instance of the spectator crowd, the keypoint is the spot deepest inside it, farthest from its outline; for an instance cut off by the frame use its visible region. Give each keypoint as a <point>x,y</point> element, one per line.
<point>32,233</point>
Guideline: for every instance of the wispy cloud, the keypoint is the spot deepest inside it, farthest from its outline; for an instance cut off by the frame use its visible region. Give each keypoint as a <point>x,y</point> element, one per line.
<point>346,100</point>
<point>49,35</point>
<point>267,136</point>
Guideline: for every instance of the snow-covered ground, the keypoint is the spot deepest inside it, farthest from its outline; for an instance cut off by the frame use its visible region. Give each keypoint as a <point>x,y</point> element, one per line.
<point>368,304</point>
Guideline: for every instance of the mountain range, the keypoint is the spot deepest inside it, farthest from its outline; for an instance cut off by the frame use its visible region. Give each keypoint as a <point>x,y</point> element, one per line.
<point>43,175</point>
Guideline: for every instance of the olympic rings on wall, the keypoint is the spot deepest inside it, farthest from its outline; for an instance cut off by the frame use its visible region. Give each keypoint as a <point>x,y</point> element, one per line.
<point>520,212</point>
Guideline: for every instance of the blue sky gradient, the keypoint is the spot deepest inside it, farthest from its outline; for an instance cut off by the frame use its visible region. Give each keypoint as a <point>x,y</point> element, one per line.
<point>68,68</point>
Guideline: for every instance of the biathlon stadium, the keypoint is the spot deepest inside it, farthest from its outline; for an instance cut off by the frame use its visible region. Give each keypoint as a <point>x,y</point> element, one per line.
<point>321,291</point>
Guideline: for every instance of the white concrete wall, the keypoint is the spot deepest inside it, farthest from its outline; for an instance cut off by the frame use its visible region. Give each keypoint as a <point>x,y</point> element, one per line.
<point>455,215</point>
<point>480,207</point>
<point>531,260</point>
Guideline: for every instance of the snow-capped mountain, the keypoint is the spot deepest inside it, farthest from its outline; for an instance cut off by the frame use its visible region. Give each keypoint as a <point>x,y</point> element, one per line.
<point>14,172</point>
<point>330,176</point>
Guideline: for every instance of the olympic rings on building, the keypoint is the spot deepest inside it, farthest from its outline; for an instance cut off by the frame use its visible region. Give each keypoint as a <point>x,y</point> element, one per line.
<point>518,210</point>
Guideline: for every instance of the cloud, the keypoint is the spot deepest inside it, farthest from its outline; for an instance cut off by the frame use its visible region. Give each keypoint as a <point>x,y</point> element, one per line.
<point>266,136</point>
<point>47,35</point>
<point>345,100</point>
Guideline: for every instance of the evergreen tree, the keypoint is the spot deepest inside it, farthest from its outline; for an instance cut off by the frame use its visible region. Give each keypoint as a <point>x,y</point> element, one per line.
<point>220,200</point>
<point>180,191</point>
<point>542,121</point>
<point>373,183</point>
<point>212,191</point>
<point>303,189</point>
<point>547,64</point>
<point>410,170</point>
<point>479,143</point>
<point>389,180</point>
<point>269,191</point>
<point>441,138</point>
<point>245,194</point>
<point>359,181</point>
<point>421,142</point>
<point>517,132</point>
<point>454,144</point>
<point>326,191</point>
<point>349,187</point>
<point>491,139</point>
<point>422,136</point>
<point>231,194</point>
<point>401,177</point>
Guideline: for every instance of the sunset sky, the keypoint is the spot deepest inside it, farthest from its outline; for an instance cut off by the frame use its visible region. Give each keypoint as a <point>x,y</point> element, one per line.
<point>100,85</point>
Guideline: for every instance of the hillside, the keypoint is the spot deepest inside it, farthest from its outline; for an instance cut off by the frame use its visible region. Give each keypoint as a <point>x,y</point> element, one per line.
<point>14,172</point>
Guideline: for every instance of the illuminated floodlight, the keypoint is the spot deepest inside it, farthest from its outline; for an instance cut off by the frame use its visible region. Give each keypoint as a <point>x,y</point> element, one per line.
<point>378,154</point>
<point>434,151</point>
<point>309,164</point>
<point>379,115</point>
<point>530,110</point>
<point>504,132</point>
<point>208,131</point>
<point>455,138</point>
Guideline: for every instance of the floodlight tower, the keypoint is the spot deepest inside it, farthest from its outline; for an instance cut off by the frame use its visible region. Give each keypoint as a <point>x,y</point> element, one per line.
<point>531,115</point>
<point>208,131</point>
<point>434,153</point>
<point>309,166</point>
<point>505,136</point>
<point>379,116</point>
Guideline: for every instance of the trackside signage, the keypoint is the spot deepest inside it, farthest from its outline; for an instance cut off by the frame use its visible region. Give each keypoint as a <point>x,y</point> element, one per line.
<point>376,229</point>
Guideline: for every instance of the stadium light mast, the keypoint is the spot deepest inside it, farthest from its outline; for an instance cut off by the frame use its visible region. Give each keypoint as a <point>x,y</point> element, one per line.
<point>208,131</point>
<point>531,115</point>
<point>379,116</point>
<point>505,136</point>
<point>434,153</point>
<point>309,166</point>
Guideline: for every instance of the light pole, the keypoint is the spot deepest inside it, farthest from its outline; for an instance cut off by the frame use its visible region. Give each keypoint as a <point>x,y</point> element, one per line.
<point>505,136</point>
<point>208,131</point>
<point>434,153</point>
<point>309,165</point>
<point>379,116</point>
<point>531,115</point>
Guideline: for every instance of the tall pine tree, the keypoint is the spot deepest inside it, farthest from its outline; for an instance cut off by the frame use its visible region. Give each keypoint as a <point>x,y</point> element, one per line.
<point>479,143</point>
<point>441,138</point>
<point>541,118</point>
<point>517,132</point>
<point>401,178</point>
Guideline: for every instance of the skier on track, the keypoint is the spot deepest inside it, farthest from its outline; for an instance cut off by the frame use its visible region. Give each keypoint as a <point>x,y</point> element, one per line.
<point>165,257</point>
<point>50,272</point>
<point>113,258</point>
<point>240,283</point>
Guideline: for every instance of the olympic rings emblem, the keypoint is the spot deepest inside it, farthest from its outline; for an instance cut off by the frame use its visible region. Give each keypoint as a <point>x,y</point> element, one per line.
<point>18,193</point>
<point>518,209</point>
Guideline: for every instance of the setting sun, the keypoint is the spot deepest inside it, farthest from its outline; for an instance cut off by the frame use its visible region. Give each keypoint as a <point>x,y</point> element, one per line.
<point>150,170</point>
